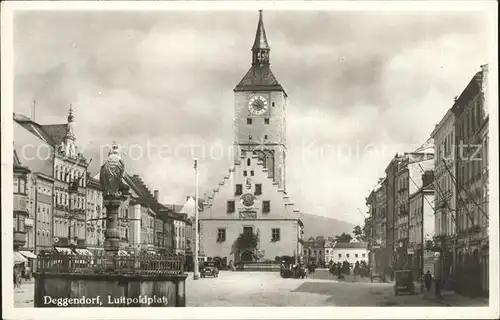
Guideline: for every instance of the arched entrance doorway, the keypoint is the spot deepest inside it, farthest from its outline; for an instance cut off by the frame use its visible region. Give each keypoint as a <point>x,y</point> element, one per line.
<point>246,256</point>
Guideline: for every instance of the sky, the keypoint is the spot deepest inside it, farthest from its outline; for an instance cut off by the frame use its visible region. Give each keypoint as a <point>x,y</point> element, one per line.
<point>362,86</point>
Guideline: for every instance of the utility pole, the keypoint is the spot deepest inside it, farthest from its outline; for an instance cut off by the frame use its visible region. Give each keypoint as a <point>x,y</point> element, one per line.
<point>196,274</point>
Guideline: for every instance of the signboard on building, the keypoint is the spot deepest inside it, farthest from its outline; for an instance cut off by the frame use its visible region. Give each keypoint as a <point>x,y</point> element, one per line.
<point>248,215</point>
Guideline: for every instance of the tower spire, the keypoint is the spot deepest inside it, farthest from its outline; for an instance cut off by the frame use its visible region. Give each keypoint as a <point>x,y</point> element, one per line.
<point>70,133</point>
<point>260,48</point>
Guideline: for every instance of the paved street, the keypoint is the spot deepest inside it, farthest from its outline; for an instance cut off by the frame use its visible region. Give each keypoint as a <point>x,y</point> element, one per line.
<point>269,289</point>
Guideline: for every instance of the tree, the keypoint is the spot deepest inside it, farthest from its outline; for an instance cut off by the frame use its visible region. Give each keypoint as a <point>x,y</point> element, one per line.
<point>344,237</point>
<point>246,242</point>
<point>358,232</point>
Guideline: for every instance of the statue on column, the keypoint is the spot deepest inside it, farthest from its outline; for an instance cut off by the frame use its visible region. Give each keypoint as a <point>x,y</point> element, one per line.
<point>111,174</point>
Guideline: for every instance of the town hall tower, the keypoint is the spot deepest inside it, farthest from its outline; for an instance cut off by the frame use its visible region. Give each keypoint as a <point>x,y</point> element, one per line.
<point>260,118</point>
<point>249,216</point>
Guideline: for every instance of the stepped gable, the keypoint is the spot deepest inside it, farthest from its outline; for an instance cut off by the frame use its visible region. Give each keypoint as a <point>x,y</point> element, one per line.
<point>143,193</point>
<point>292,211</point>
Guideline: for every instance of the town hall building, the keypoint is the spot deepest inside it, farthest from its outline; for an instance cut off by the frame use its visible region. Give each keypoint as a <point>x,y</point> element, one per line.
<point>251,201</point>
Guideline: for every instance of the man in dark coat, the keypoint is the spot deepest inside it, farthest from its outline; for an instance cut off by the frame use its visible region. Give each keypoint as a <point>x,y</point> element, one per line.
<point>428,280</point>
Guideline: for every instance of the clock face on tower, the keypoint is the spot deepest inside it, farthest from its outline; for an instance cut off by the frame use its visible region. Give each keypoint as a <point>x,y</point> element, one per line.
<point>257,105</point>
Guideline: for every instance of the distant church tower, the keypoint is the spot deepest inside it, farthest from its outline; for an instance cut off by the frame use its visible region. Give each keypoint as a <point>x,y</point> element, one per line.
<point>260,112</point>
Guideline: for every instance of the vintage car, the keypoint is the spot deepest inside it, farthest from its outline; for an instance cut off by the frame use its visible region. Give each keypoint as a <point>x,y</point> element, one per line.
<point>209,270</point>
<point>403,282</point>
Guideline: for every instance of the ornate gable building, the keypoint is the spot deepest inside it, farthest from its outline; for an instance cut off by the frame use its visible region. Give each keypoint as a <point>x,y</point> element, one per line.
<point>252,200</point>
<point>58,182</point>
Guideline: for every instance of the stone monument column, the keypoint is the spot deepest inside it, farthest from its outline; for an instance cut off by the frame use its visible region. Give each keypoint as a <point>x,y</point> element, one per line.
<point>112,234</point>
<point>115,192</point>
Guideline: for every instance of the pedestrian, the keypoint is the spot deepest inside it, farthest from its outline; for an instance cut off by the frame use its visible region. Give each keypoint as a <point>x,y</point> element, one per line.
<point>428,280</point>
<point>438,276</point>
<point>355,271</point>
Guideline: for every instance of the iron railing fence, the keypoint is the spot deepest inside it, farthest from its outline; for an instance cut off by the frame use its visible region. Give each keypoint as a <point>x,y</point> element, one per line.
<point>144,264</point>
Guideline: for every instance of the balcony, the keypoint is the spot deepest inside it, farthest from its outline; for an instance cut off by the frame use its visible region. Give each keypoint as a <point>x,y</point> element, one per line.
<point>19,239</point>
<point>29,223</point>
<point>20,203</point>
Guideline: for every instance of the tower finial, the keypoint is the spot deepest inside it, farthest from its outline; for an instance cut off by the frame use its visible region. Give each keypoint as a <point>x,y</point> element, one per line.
<point>260,48</point>
<point>71,117</point>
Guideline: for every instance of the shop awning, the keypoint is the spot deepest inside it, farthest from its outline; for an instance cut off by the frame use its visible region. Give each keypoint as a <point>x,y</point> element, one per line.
<point>83,252</point>
<point>28,254</point>
<point>19,258</point>
<point>64,250</point>
<point>123,253</point>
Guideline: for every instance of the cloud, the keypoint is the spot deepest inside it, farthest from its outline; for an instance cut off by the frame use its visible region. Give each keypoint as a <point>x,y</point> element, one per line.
<point>362,85</point>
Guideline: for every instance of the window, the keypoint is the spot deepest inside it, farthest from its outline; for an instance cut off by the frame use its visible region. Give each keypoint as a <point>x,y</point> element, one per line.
<point>347,255</point>
<point>340,255</point>
<point>239,190</point>
<point>20,186</point>
<point>244,173</point>
<point>230,206</point>
<point>266,206</point>
<point>248,162</point>
<point>252,173</point>
<point>265,136</point>
<point>249,120</point>
<point>275,234</point>
<point>356,255</point>
<point>266,121</point>
<point>273,104</point>
<point>258,189</point>
<point>221,235</point>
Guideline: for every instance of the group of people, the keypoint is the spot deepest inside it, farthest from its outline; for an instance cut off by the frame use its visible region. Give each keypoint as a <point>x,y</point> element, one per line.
<point>21,271</point>
<point>295,270</point>
<point>345,268</point>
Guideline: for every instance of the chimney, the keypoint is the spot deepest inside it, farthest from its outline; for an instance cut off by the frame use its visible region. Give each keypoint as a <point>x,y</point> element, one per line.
<point>427,178</point>
<point>157,195</point>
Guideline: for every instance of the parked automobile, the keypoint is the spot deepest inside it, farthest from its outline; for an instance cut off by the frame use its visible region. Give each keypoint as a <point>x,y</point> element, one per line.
<point>209,270</point>
<point>403,282</point>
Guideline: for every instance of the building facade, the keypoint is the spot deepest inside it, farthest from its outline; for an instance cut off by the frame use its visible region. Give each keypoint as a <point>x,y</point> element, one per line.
<point>470,110</point>
<point>421,228</point>
<point>444,190</point>
<point>314,251</point>
<point>329,245</point>
<point>42,204</point>
<point>377,204</point>
<point>20,210</point>
<point>351,252</point>
<point>58,182</point>
<point>251,202</point>
<point>391,225</point>
<point>180,234</point>
<point>96,215</point>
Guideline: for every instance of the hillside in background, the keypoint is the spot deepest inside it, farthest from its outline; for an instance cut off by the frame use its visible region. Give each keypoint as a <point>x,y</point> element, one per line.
<point>323,226</point>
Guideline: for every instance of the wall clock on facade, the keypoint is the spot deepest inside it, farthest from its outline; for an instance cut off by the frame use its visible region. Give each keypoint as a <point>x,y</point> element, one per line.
<point>258,105</point>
